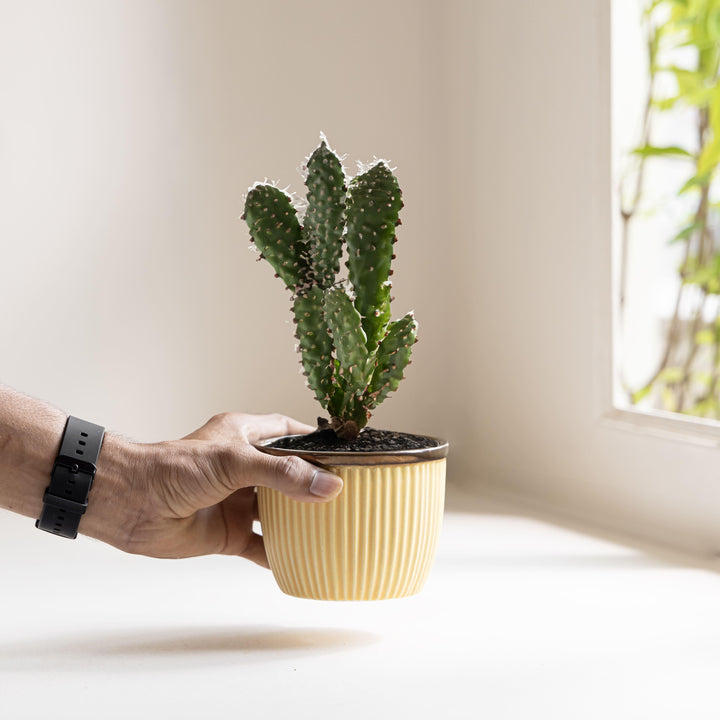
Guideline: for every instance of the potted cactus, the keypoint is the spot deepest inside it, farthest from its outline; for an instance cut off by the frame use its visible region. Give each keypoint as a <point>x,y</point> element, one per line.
<point>378,538</point>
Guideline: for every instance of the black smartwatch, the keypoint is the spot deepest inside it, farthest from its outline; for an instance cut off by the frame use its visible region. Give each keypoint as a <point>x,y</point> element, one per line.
<point>66,497</point>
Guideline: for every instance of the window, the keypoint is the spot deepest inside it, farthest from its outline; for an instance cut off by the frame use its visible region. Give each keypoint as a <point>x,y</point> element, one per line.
<point>666,147</point>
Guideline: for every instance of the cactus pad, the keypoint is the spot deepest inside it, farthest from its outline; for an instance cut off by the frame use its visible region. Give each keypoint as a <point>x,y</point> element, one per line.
<point>325,215</point>
<point>315,343</point>
<point>393,356</point>
<point>275,229</point>
<point>349,339</point>
<point>373,207</point>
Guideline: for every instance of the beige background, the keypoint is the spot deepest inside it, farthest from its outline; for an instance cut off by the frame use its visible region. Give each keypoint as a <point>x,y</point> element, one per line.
<point>130,130</point>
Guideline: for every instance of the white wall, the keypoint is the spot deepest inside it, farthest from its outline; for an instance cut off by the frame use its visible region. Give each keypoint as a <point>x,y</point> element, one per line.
<point>129,132</point>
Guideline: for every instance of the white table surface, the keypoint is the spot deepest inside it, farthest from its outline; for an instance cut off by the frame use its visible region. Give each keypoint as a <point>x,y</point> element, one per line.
<point>520,619</point>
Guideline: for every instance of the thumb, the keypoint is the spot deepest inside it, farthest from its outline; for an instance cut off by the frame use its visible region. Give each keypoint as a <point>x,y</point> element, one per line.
<point>294,477</point>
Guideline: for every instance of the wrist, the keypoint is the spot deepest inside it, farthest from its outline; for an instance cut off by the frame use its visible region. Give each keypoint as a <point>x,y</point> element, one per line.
<point>31,434</point>
<point>116,500</point>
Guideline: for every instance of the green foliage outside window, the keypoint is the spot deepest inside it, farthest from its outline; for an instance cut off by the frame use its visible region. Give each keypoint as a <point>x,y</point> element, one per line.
<point>687,376</point>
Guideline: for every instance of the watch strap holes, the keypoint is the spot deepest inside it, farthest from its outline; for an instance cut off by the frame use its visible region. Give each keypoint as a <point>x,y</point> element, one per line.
<point>65,499</point>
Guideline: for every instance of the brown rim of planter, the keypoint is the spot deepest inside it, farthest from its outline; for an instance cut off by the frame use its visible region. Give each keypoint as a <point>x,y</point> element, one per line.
<point>373,457</point>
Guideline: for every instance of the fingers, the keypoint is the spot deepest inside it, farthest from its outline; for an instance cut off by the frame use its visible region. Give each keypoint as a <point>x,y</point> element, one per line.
<point>263,427</point>
<point>293,477</point>
<point>249,428</point>
<point>234,518</point>
<point>255,551</point>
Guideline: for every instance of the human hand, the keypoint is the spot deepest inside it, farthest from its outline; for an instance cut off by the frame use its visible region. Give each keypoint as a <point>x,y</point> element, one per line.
<point>196,495</point>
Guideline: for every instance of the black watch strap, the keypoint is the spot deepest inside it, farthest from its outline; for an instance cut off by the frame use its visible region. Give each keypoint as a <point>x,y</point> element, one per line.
<point>66,497</point>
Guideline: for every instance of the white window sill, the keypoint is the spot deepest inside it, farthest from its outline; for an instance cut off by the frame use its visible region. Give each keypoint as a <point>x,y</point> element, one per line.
<point>666,425</point>
<point>520,619</point>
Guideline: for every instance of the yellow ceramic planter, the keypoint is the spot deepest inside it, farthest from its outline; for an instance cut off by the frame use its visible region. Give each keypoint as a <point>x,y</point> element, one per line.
<point>376,540</point>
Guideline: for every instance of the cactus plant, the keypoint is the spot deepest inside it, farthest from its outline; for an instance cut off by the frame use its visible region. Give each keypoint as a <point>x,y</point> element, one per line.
<point>353,356</point>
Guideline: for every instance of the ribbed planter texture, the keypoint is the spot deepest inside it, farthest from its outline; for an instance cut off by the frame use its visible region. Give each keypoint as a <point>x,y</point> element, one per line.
<point>376,540</point>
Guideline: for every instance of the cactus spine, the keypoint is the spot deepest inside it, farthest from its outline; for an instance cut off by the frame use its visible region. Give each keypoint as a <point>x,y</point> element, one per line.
<point>352,354</point>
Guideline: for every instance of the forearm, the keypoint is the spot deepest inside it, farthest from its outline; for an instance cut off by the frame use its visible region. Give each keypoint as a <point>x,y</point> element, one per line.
<point>30,436</point>
<point>179,498</point>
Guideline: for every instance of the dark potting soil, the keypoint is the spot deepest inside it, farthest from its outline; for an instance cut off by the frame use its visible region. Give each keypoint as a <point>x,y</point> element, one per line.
<point>369,440</point>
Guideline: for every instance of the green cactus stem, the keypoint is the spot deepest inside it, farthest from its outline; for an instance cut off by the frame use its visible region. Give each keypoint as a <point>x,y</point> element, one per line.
<point>316,345</point>
<point>393,356</point>
<point>373,207</point>
<point>325,215</point>
<point>349,340</point>
<point>352,355</point>
<point>276,231</point>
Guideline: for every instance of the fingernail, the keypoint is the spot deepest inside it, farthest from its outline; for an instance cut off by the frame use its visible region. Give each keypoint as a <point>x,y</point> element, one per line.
<point>325,485</point>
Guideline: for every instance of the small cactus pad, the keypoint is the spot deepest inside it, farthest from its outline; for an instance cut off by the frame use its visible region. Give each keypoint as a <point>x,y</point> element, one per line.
<point>373,208</point>
<point>325,215</point>
<point>393,356</point>
<point>315,343</point>
<point>348,337</point>
<point>275,228</point>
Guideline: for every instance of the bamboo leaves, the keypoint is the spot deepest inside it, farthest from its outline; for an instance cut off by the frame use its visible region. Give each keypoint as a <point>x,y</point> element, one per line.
<point>683,44</point>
